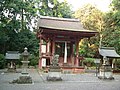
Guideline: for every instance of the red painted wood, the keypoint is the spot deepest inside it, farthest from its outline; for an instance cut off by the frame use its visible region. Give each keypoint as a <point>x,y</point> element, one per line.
<point>40,64</point>
<point>72,37</point>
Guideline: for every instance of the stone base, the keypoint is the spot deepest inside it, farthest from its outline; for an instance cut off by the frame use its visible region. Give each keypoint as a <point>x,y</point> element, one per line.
<point>106,78</point>
<point>54,76</point>
<point>106,73</point>
<point>23,79</point>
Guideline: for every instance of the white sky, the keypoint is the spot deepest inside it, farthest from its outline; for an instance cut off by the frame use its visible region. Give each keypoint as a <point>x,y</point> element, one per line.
<point>103,5</point>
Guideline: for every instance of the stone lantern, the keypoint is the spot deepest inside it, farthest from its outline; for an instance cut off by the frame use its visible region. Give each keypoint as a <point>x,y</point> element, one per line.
<point>25,61</point>
<point>24,78</point>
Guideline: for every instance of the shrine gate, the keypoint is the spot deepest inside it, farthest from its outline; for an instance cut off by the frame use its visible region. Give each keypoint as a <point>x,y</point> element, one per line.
<point>60,36</point>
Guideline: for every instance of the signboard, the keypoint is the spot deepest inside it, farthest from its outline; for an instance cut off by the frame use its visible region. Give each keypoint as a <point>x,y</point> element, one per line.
<point>12,55</point>
<point>43,62</point>
<point>43,49</point>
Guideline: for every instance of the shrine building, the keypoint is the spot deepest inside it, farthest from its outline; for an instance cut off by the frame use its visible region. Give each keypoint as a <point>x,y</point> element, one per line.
<point>61,36</point>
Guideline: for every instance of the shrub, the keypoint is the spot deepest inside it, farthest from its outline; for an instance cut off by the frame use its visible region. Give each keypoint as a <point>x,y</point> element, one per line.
<point>33,60</point>
<point>89,61</point>
<point>2,61</point>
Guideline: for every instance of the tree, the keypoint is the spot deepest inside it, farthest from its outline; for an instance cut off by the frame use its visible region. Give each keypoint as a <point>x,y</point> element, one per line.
<point>55,8</point>
<point>11,12</point>
<point>16,19</point>
<point>2,61</point>
<point>27,39</point>
<point>92,19</point>
<point>111,34</point>
<point>63,10</point>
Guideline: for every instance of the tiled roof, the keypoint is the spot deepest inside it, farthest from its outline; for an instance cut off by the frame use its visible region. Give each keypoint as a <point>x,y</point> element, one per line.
<point>12,55</point>
<point>61,24</point>
<point>108,52</point>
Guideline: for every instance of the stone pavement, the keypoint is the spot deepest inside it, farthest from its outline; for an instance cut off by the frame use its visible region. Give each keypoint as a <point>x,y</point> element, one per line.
<point>85,81</point>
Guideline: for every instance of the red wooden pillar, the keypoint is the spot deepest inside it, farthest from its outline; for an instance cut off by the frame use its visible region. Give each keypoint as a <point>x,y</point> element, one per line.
<point>47,47</point>
<point>40,55</point>
<point>72,52</point>
<point>53,47</point>
<point>77,53</point>
<point>40,63</point>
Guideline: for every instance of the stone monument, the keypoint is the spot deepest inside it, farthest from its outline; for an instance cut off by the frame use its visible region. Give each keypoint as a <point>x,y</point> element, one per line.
<point>25,77</point>
<point>54,73</point>
<point>106,70</point>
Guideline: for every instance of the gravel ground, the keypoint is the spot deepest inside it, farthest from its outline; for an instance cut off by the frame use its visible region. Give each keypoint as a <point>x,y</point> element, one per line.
<point>85,81</point>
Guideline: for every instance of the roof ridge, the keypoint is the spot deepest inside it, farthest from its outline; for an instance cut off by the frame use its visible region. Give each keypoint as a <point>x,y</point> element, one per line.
<point>60,19</point>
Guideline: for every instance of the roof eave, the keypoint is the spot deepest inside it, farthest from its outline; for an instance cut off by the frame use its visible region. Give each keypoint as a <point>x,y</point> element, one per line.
<point>66,29</point>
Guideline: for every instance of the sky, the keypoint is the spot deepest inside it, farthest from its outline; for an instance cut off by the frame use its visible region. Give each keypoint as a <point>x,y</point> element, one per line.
<point>103,5</point>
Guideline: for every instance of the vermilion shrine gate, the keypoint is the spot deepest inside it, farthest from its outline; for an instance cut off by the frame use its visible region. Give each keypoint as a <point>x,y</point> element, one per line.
<point>61,36</point>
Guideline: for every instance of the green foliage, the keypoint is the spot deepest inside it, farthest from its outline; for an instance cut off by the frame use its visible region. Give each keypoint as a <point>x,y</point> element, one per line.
<point>107,24</point>
<point>33,60</point>
<point>92,19</point>
<point>89,61</point>
<point>55,8</point>
<point>111,33</point>
<point>27,39</point>
<point>115,5</point>
<point>83,50</point>
<point>16,22</point>
<point>86,49</point>
<point>13,28</point>
<point>64,10</point>
<point>2,61</point>
<point>17,17</point>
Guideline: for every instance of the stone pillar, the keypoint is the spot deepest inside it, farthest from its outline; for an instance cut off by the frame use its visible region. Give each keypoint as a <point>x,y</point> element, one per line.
<point>65,53</point>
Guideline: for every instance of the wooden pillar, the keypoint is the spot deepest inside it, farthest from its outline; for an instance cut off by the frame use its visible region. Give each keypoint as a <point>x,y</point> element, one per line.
<point>40,55</point>
<point>48,47</point>
<point>40,63</point>
<point>53,47</point>
<point>77,53</point>
<point>71,54</point>
<point>65,53</point>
